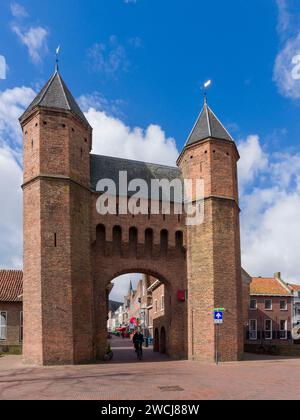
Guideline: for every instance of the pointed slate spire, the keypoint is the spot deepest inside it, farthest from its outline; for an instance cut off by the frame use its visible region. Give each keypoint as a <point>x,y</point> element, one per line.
<point>130,290</point>
<point>55,95</point>
<point>207,126</point>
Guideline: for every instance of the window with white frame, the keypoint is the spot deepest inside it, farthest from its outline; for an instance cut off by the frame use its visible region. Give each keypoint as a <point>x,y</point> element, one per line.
<point>3,325</point>
<point>283,305</point>
<point>162,303</point>
<point>253,304</point>
<point>268,329</point>
<point>268,305</point>
<point>283,329</point>
<point>253,329</point>
<point>21,326</point>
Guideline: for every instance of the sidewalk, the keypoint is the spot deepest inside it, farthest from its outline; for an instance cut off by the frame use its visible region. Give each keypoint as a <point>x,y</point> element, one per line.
<point>267,378</point>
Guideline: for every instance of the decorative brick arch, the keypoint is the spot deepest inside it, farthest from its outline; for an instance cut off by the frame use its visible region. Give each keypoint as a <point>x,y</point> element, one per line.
<point>169,269</point>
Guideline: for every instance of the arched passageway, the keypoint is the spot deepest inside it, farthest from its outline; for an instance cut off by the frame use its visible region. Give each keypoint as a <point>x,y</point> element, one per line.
<point>136,304</point>
<point>122,249</point>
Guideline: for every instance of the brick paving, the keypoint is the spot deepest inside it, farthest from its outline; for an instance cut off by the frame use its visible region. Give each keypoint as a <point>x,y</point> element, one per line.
<point>156,377</point>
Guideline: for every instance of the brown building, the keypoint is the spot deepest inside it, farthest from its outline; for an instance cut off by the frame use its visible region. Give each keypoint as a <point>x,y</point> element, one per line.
<point>269,312</point>
<point>11,311</point>
<point>72,252</point>
<point>158,322</point>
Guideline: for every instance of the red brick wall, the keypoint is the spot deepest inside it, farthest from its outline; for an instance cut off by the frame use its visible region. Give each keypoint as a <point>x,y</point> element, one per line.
<point>57,307</point>
<point>213,252</point>
<point>261,314</point>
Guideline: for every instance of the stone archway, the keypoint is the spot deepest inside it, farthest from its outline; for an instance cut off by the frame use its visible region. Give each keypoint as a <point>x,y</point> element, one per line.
<point>174,318</point>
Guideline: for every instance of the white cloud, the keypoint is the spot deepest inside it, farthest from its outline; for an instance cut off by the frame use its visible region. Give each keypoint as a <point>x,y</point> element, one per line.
<point>3,67</point>
<point>270,223</point>
<point>286,72</point>
<point>284,17</point>
<point>108,58</point>
<point>12,104</point>
<point>10,210</point>
<point>253,160</point>
<point>97,101</point>
<point>286,68</point>
<point>113,138</point>
<point>18,11</point>
<point>35,39</point>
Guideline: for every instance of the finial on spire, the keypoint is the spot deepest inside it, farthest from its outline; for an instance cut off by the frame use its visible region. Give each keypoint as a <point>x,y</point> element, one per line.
<point>57,55</point>
<point>205,86</point>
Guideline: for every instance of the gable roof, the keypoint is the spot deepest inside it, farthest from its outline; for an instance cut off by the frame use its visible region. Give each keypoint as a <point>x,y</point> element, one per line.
<point>114,306</point>
<point>266,286</point>
<point>207,126</point>
<point>295,287</point>
<point>55,94</point>
<point>11,285</point>
<point>103,167</point>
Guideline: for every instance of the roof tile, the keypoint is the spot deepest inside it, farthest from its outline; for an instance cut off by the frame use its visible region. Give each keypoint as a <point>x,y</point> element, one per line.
<point>207,126</point>
<point>55,94</point>
<point>268,287</point>
<point>11,285</point>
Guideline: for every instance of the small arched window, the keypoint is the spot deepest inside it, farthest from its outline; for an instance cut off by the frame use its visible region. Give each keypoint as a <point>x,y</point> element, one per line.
<point>117,238</point>
<point>133,240</point>
<point>148,242</point>
<point>101,237</point>
<point>164,241</point>
<point>179,240</point>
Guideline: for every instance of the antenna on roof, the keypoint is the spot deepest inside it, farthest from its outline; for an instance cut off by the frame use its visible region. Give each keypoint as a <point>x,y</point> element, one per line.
<point>57,55</point>
<point>205,87</point>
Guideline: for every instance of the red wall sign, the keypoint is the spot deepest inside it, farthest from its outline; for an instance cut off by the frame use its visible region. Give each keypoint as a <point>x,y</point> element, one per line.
<point>181,295</point>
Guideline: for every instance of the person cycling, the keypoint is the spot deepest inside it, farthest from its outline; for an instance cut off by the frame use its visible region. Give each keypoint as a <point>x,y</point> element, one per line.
<point>138,340</point>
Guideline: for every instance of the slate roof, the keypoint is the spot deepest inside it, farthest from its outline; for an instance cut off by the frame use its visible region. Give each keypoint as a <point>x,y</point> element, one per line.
<point>103,167</point>
<point>11,285</point>
<point>207,125</point>
<point>268,287</point>
<point>55,94</point>
<point>114,306</point>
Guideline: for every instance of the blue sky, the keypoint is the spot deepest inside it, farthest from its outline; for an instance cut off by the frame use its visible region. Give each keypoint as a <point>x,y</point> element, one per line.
<point>142,63</point>
<point>170,48</point>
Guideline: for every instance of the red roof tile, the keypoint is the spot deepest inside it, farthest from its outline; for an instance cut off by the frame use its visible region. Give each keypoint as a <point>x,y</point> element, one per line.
<point>11,285</point>
<point>268,287</point>
<point>295,287</point>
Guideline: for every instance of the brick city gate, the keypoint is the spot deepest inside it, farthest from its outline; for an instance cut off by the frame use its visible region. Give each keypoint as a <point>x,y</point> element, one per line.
<point>71,253</point>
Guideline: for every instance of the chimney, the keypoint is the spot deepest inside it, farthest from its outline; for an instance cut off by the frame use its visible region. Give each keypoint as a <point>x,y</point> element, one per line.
<point>277,276</point>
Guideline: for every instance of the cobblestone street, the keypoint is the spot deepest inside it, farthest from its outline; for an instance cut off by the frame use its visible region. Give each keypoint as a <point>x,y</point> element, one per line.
<point>156,377</point>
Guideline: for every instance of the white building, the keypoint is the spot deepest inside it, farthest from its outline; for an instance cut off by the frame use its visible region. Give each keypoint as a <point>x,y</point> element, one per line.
<point>296,303</point>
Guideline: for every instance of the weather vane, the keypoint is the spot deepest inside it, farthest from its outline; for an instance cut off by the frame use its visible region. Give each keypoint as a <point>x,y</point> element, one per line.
<point>205,87</point>
<point>57,55</point>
